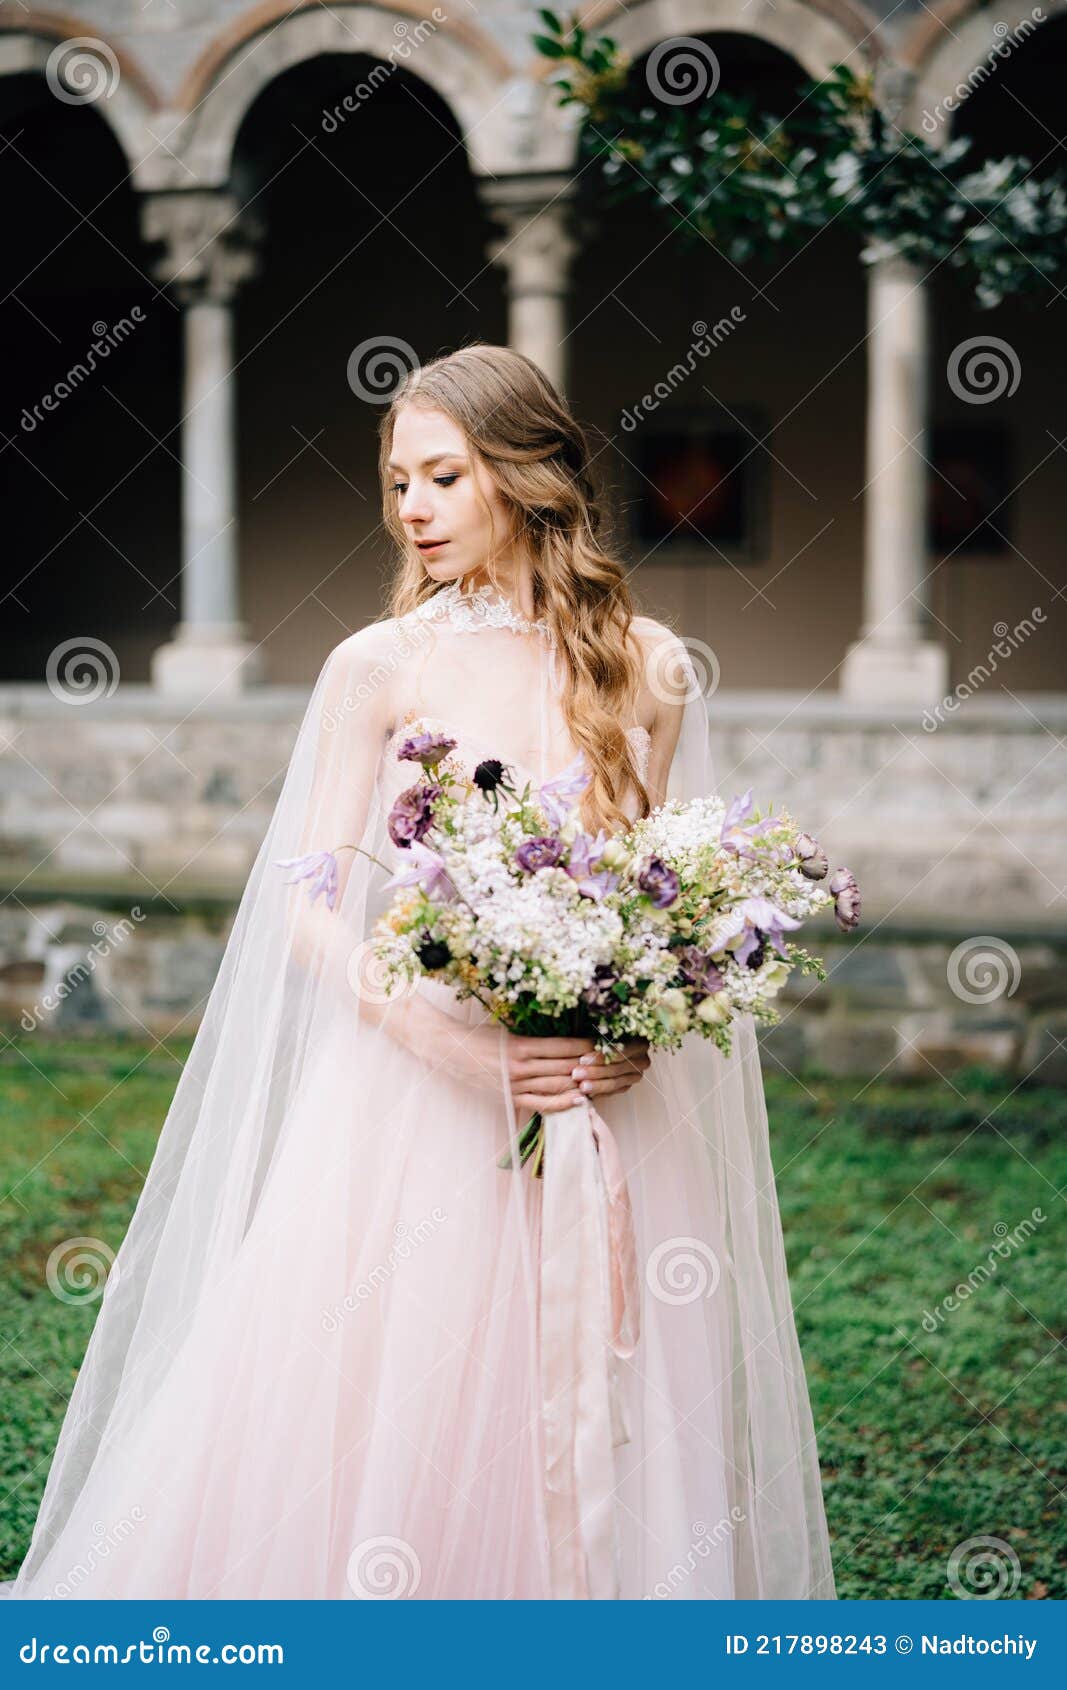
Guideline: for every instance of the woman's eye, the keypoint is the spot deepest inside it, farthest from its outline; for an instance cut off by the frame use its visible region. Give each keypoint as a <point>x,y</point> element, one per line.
<point>440,480</point>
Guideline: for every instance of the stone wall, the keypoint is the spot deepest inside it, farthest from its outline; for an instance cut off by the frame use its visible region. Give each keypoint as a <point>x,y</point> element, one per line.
<point>128,827</point>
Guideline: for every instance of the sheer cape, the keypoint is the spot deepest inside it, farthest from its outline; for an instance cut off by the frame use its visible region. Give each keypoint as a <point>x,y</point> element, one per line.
<point>303,1137</point>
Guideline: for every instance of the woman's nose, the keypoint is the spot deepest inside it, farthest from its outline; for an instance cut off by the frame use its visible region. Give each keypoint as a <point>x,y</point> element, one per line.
<point>415,507</point>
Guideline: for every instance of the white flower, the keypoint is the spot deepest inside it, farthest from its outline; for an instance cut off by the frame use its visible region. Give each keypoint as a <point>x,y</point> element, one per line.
<point>714,1011</point>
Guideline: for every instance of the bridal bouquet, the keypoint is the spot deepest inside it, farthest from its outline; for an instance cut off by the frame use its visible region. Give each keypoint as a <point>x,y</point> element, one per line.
<point>677,925</point>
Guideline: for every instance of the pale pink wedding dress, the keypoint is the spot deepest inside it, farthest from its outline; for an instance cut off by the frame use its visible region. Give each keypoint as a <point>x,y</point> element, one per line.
<point>318,1367</point>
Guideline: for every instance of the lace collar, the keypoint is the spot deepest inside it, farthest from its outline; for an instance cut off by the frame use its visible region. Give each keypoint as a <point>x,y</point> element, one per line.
<point>485,607</point>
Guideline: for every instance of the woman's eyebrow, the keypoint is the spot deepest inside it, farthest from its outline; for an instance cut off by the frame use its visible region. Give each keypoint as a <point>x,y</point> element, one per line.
<point>437,458</point>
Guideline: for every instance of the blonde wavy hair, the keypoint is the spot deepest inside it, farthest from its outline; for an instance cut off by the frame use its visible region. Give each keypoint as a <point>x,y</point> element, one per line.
<point>536,453</point>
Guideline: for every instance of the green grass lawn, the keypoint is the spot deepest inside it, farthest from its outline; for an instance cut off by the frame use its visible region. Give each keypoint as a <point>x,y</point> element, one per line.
<point>891,1197</point>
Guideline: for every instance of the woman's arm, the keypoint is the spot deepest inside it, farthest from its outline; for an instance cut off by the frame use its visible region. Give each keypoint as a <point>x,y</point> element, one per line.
<point>354,717</point>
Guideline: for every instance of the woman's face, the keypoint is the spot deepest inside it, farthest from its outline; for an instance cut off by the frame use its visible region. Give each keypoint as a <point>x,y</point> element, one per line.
<point>442,493</point>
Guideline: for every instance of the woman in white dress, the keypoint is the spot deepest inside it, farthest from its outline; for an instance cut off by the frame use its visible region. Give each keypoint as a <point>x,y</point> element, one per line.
<point>343,1352</point>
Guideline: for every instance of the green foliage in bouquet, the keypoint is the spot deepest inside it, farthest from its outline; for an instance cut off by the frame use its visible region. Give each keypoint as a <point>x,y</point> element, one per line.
<point>751,184</point>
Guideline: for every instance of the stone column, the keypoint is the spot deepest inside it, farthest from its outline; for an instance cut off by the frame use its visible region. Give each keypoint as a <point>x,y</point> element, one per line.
<point>894,661</point>
<point>207,253</point>
<point>534,251</point>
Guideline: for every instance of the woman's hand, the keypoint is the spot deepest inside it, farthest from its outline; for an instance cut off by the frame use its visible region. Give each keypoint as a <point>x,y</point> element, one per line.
<point>623,1071</point>
<point>556,1073</point>
<point>546,1075</point>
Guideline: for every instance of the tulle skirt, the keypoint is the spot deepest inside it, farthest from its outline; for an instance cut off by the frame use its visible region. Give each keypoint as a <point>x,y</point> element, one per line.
<point>354,1409</point>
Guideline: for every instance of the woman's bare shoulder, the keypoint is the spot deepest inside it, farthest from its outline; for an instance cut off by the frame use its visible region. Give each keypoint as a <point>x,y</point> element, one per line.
<point>665,665</point>
<point>650,632</point>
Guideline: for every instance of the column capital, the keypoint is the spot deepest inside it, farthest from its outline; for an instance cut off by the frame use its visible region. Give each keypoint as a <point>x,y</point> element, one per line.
<point>894,85</point>
<point>209,244</point>
<point>535,218</point>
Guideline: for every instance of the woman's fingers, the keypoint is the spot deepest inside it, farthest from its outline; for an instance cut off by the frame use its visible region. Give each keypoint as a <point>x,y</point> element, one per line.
<point>543,1082</point>
<point>530,1103</point>
<point>598,1087</point>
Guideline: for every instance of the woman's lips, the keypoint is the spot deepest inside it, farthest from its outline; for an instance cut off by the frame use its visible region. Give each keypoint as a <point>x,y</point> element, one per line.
<point>430,545</point>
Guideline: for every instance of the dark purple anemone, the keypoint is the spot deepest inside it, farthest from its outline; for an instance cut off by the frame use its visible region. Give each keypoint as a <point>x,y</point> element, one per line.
<point>411,817</point>
<point>698,971</point>
<point>425,748</point>
<point>543,851</point>
<point>660,882</point>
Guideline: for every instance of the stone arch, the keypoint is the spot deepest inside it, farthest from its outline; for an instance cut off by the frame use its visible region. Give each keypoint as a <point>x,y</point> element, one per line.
<point>952,39</point>
<point>816,33</point>
<point>461,63</point>
<point>27,42</point>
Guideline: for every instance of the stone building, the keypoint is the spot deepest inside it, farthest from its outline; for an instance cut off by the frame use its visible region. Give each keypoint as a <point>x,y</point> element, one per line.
<point>226,224</point>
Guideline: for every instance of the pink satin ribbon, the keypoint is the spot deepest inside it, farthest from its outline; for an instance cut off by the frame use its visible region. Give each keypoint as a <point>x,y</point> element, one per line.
<point>590,1317</point>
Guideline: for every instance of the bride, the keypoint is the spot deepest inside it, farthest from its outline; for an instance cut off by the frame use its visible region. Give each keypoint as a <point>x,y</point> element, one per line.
<point>332,1359</point>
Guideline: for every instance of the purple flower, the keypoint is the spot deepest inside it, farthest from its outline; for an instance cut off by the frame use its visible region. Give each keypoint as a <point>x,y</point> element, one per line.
<point>425,748</point>
<point>488,774</point>
<point>811,858</point>
<point>598,993</point>
<point>659,881</point>
<point>428,871</point>
<point>557,795</point>
<point>734,837</point>
<point>585,853</point>
<point>412,815</point>
<point>760,921</point>
<point>698,971</point>
<point>320,864</point>
<point>846,899</point>
<point>543,851</point>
